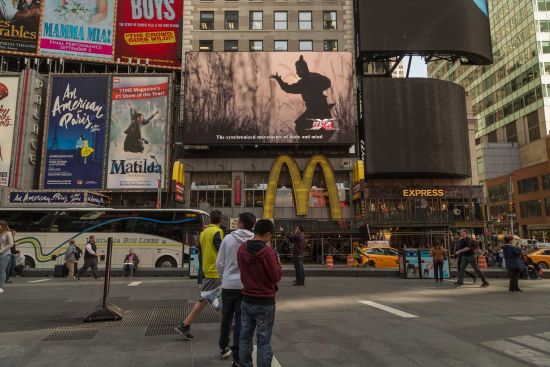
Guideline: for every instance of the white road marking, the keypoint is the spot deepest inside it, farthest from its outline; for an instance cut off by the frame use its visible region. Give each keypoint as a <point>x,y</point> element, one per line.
<point>533,342</point>
<point>520,352</point>
<point>388,309</point>
<point>133,284</point>
<point>38,281</point>
<point>274,361</point>
<point>522,318</point>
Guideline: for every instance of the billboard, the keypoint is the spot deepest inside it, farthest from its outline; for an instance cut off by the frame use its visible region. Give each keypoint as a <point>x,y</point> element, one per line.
<point>75,133</point>
<point>138,132</point>
<point>78,29</point>
<point>19,23</point>
<point>407,120</point>
<point>148,32</point>
<point>9,87</point>
<point>449,27</point>
<point>269,98</point>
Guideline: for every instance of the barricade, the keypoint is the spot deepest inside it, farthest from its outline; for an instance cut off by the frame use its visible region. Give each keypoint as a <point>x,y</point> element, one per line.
<point>330,262</point>
<point>482,262</point>
<point>350,261</point>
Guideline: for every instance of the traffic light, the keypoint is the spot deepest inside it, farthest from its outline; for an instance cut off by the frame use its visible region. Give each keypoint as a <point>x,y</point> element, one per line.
<point>511,208</point>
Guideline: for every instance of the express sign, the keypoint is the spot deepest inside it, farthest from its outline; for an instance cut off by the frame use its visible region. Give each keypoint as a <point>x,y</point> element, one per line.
<point>423,193</point>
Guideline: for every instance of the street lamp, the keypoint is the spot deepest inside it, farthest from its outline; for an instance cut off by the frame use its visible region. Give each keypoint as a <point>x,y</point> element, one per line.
<point>159,195</point>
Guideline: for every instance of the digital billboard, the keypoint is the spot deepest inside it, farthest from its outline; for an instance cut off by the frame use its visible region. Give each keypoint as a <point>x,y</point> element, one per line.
<point>19,24</point>
<point>148,32</point>
<point>449,27</point>
<point>78,29</point>
<point>9,87</point>
<point>75,134</point>
<point>269,98</point>
<point>140,122</point>
<point>415,128</point>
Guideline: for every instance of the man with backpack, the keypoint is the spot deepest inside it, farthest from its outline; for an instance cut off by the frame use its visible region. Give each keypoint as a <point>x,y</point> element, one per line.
<point>70,258</point>
<point>90,258</point>
<point>467,249</point>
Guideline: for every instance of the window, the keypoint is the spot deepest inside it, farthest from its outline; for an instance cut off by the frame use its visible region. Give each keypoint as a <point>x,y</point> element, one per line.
<point>256,45</point>
<point>306,45</point>
<point>206,45</point>
<point>281,20</point>
<point>547,207</point>
<point>545,47</point>
<point>232,20</point>
<point>531,208</point>
<point>499,192</point>
<point>304,20</point>
<point>330,45</point>
<point>231,45</point>
<point>543,5</point>
<point>480,166</point>
<point>546,182</point>
<point>511,133</point>
<point>210,190</point>
<point>533,126</point>
<point>207,20</point>
<point>528,185</point>
<point>492,137</point>
<point>256,20</point>
<point>329,20</point>
<point>281,45</point>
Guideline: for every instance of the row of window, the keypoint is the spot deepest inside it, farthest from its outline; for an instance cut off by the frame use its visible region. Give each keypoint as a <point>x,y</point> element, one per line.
<point>533,130</point>
<point>256,20</point>
<point>516,105</point>
<point>531,184</point>
<point>258,45</point>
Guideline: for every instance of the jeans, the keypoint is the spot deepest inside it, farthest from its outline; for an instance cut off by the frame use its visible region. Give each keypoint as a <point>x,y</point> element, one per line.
<point>128,270</point>
<point>259,318</point>
<point>459,260</point>
<point>514,279</point>
<point>299,267</point>
<point>231,309</point>
<point>464,263</point>
<point>90,262</point>
<point>11,267</point>
<point>4,262</point>
<point>438,269</point>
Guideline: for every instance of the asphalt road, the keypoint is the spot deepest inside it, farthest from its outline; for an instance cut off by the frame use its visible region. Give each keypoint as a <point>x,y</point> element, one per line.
<point>330,322</point>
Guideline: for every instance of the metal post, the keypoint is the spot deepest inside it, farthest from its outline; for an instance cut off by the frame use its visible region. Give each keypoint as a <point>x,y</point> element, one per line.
<point>322,251</point>
<point>107,274</point>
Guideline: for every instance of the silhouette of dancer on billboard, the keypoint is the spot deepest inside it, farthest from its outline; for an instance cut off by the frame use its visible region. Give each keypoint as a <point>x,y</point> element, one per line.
<point>134,141</point>
<point>311,86</point>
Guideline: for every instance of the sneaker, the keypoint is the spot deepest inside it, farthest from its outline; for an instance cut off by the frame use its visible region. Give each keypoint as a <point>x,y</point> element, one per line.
<point>1,290</point>
<point>185,331</point>
<point>226,352</point>
<point>457,284</point>
<point>484,285</point>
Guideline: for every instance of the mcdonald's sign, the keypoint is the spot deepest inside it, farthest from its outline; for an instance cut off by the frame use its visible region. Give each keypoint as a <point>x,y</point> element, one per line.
<point>178,180</point>
<point>301,186</point>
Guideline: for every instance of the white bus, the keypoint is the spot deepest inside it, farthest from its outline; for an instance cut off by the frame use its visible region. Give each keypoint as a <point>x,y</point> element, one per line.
<point>160,237</point>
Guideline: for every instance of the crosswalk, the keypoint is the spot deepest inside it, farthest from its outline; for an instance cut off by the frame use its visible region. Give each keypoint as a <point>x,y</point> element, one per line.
<point>530,349</point>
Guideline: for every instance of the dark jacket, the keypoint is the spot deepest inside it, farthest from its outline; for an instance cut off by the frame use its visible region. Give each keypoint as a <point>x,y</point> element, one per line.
<point>260,272</point>
<point>135,260</point>
<point>298,244</point>
<point>512,257</point>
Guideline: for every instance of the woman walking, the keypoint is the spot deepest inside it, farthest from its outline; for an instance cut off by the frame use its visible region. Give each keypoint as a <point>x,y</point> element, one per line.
<point>438,254</point>
<point>6,243</point>
<point>514,263</point>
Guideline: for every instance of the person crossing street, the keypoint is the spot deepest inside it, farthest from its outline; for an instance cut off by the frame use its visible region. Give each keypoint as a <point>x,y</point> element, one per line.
<point>467,249</point>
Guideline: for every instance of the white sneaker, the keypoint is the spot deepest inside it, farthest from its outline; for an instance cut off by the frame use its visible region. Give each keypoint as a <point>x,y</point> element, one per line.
<point>1,290</point>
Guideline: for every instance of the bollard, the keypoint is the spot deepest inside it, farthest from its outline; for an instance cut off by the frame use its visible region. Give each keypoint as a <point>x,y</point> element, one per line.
<point>350,261</point>
<point>330,262</point>
<point>482,262</point>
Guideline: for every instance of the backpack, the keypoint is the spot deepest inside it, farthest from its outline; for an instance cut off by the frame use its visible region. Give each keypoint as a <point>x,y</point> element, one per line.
<point>77,252</point>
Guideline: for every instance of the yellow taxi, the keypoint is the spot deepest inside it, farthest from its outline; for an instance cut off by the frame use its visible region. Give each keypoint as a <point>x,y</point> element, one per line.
<point>377,257</point>
<point>541,257</point>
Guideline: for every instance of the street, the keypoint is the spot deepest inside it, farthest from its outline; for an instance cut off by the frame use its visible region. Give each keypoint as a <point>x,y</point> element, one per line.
<point>330,322</point>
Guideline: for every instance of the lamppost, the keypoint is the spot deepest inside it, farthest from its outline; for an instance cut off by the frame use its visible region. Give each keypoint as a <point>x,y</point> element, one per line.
<point>159,194</point>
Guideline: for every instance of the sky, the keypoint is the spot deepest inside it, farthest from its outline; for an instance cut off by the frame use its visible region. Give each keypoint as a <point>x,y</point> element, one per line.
<point>418,67</point>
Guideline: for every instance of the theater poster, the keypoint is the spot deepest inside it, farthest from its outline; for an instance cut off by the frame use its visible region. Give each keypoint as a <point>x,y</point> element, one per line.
<point>81,29</point>
<point>75,133</point>
<point>9,86</point>
<point>138,132</point>
<point>19,24</point>
<point>148,32</point>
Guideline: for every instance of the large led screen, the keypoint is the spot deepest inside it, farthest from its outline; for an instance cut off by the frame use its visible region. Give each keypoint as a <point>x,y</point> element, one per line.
<point>451,27</point>
<point>269,98</point>
<point>415,128</point>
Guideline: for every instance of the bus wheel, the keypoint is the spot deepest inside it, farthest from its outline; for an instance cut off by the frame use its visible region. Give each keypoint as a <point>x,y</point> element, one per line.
<point>29,262</point>
<point>166,262</point>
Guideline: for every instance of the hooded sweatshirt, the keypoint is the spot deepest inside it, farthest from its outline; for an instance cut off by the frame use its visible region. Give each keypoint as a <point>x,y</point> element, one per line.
<point>226,263</point>
<point>260,272</point>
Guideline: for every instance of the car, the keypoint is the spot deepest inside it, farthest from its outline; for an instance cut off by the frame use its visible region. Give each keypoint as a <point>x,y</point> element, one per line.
<point>380,257</point>
<point>541,257</point>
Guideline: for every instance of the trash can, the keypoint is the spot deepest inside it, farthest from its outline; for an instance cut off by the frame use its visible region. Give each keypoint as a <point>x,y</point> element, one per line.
<point>409,263</point>
<point>193,262</point>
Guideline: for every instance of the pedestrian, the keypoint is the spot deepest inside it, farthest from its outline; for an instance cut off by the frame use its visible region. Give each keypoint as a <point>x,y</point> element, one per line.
<point>514,263</point>
<point>260,272</point>
<point>297,239</point>
<point>467,250</point>
<point>70,258</point>
<point>90,259</point>
<point>210,240</point>
<point>11,266</point>
<point>228,269</point>
<point>437,252</point>
<point>6,243</point>
<point>457,244</point>
<point>19,263</point>
<point>131,262</point>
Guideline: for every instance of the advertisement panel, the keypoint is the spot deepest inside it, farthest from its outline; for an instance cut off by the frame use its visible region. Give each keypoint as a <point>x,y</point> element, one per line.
<point>148,32</point>
<point>78,29</point>
<point>269,97</point>
<point>19,23</point>
<point>74,139</point>
<point>9,87</point>
<point>138,132</point>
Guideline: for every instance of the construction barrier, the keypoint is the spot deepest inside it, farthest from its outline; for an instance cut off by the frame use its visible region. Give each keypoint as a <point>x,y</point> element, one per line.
<point>330,262</point>
<point>350,261</point>
<point>482,262</point>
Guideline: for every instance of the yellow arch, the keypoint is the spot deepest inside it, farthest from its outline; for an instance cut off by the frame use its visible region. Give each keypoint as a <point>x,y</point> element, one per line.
<point>301,186</point>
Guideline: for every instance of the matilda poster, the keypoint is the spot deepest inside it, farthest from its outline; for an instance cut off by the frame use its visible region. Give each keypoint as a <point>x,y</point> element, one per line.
<point>8,103</point>
<point>148,29</point>
<point>19,23</point>
<point>74,142</point>
<point>78,29</point>
<point>137,140</point>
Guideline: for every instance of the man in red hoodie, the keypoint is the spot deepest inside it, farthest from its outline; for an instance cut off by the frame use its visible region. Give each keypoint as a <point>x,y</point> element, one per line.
<point>260,272</point>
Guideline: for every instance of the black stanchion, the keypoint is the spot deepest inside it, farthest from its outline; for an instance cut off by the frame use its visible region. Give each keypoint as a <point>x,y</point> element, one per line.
<point>106,312</point>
